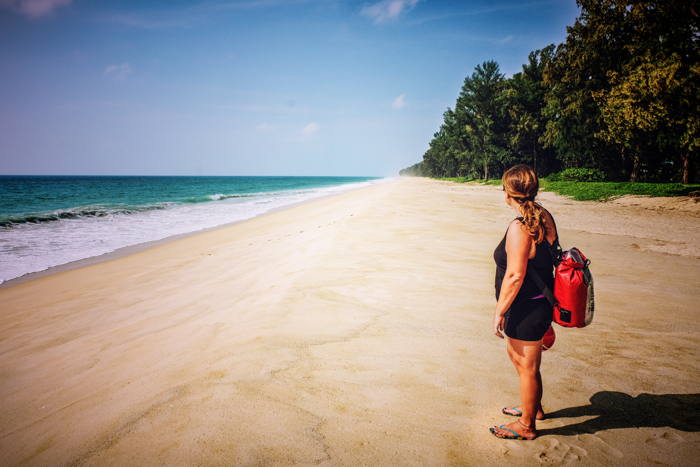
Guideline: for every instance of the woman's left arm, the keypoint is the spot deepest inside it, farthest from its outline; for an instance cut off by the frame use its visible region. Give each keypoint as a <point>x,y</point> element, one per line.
<point>518,246</point>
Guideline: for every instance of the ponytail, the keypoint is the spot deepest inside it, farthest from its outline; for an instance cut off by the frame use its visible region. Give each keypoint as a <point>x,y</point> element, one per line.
<point>521,184</point>
<point>533,219</point>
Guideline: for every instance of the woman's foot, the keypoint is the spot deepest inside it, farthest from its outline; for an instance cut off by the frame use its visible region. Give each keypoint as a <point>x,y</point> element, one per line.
<point>516,430</point>
<point>518,412</point>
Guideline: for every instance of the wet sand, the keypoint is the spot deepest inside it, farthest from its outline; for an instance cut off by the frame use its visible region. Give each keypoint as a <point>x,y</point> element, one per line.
<point>354,330</point>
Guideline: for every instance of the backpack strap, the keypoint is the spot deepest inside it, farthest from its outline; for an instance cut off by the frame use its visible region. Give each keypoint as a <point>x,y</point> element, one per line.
<point>555,250</point>
<point>543,287</point>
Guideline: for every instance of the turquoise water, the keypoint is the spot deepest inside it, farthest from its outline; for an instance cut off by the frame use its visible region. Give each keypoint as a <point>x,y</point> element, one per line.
<point>47,198</point>
<point>46,221</point>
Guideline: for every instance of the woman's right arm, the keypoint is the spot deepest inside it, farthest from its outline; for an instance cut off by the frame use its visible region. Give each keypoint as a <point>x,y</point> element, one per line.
<point>518,246</point>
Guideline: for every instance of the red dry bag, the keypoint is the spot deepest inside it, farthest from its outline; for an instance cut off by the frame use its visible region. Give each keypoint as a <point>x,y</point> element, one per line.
<point>573,290</point>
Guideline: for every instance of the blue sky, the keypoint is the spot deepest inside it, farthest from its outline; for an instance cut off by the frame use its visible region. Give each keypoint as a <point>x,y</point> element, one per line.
<point>249,87</point>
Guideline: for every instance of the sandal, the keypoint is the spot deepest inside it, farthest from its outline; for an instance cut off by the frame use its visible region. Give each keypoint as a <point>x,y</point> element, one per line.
<point>518,413</point>
<point>515,435</point>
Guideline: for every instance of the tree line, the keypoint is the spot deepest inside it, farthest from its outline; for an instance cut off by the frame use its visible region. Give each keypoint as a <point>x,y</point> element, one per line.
<point>621,96</point>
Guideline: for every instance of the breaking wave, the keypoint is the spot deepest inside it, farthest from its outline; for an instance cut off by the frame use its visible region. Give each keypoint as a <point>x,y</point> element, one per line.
<point>76,213</point>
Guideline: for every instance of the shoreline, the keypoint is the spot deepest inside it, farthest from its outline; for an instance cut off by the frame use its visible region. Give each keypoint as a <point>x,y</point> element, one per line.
<point>132,249</point>
<point>355,330</point>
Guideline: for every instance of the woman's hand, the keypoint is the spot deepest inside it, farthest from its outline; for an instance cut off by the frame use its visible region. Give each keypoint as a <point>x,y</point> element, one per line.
<point>498,323</point>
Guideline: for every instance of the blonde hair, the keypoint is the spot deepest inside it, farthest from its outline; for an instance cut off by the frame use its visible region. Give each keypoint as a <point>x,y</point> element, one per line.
<point>521,184</point>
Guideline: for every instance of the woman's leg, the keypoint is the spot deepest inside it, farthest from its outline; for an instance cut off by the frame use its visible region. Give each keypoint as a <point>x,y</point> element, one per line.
<point>518,410</point>
<point>526,357</point>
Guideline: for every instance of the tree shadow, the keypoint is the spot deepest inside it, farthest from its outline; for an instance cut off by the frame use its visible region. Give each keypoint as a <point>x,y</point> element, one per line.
<point>620,410</point>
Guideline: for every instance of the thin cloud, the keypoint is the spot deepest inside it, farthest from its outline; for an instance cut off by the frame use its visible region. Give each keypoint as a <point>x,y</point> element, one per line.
<point>456,13</point>
<point>162,18</point>
<point>34,8</point>
<point>399,102</point>
<point>258,3</point>
<point>506,39</point>
<point>387,9</point>
<point>119,72</point>
<point>310,129</point>
<point>172,21</point>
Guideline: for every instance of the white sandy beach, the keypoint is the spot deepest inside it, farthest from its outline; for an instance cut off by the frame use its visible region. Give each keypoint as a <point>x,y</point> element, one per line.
<point>355,330</point>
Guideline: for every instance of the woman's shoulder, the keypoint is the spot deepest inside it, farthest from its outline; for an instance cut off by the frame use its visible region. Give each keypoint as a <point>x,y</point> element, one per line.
<point>550,225</point>
<point>518,221</point>
<point>518,228</point>
<point>549,216</point>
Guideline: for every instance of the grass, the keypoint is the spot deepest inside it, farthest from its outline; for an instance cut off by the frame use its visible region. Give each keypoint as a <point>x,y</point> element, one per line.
<point>493,181</point>
<point>605,191</point>
<point>601,191</point>
<point>455,179</point>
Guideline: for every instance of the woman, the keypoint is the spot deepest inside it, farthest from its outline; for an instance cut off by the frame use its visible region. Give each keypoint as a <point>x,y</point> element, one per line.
<point>522,312</point>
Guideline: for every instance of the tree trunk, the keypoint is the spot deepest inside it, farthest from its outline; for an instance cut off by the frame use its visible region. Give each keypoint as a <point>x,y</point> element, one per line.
<point>486,172</point>
<point>686,168</point>
<point>534,150</point>
<point>624,167</point>
<point>635,170</point>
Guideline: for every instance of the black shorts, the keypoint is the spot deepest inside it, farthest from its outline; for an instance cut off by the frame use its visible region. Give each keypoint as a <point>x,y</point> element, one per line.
<point>528,320</point>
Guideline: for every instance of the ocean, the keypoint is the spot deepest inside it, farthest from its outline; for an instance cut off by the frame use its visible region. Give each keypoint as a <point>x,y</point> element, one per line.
<point>48,221</point>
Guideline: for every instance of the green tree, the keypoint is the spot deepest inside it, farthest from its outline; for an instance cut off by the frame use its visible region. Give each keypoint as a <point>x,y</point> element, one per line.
<point>480,110</point>
<point>528,121</point>
<point>456,143</point>
<point>577,70</point>
<point>654,98</point>
<point>621,95</point>
<point>416,170</point>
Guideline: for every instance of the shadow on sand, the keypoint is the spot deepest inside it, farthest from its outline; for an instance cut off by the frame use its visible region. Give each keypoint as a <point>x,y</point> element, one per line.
<point>619,410</point>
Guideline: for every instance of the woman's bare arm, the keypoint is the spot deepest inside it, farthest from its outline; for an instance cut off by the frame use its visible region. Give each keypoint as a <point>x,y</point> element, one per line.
<point>519,245</point>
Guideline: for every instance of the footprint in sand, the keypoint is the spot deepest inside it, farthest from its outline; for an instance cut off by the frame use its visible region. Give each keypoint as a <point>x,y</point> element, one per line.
<point>558,452</point>
<point>595,441</point>
<point>666,438</point>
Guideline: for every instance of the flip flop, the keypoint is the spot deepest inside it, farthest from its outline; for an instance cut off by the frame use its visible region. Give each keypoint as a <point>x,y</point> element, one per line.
<point>518,414</point>
<point>515,435</point>
<point>515,409</point>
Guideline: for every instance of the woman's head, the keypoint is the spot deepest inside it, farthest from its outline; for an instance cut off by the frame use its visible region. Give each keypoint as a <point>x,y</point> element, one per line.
<point>521,184</point>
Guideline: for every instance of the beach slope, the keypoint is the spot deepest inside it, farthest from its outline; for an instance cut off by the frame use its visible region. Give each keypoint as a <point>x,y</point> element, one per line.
<point>354,330</point>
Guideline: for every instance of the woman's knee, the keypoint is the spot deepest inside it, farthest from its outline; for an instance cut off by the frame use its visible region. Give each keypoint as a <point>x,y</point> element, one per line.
<point>526,364</point>
<point>528,369</point>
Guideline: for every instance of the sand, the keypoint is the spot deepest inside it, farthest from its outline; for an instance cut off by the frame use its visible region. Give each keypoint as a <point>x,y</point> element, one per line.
<point>354,330</point>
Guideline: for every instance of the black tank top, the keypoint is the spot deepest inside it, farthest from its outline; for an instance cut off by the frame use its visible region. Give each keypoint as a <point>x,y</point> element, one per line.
<point>542,263</point>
